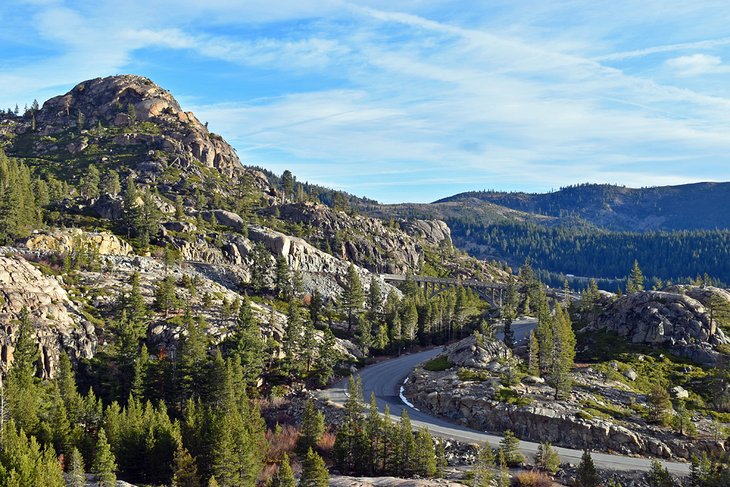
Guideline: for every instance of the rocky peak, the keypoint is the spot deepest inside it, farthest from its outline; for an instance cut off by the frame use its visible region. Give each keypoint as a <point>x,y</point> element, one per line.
<point>122,104</point>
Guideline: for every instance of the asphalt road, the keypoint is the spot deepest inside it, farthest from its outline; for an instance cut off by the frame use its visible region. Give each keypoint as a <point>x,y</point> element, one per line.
<point>386,378</point>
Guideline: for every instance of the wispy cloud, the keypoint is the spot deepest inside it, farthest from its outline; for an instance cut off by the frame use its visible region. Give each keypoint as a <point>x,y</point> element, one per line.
<point>415,103</point>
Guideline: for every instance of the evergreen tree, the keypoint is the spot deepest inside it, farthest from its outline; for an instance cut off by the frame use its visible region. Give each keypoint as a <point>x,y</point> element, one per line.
<point>508,315</point>
<point>563,352</point>
<point>165,295</point>
<point>375,301</point>
<point>503,478</point>
<point>425,462</point>
<point>248,344</point>
<point>635,281</point>
<point>327,357</point>
<point>587,476</point>
<point>547,458</point>
<point>658,476</point>
<point>90,183</point>
<point>284,475</point>
<point>104,466</point>
<point>510,447</point>
<point>484,468</point>
<point>352,296</point>
<point>287,183</point>
<point>186,469</point>
<point>682,420</point>
<point>110,183</point>
<point>312,427</point>
<point>533,365</point>
<point>441,462</point>
<point>282,278</point>
<point>314,471</point>
<point>260,268</point>
<point>76,473</point>
<point>660,405</point>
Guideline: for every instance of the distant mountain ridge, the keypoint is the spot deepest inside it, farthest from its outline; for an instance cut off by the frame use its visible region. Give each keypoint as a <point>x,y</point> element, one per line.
<point>684,207</point>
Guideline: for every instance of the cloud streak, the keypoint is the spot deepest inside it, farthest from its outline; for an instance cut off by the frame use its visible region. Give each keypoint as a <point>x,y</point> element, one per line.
<point>417,103</point>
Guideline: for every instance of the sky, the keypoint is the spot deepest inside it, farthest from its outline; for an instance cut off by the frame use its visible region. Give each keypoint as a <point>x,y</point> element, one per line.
<point>412,100</point>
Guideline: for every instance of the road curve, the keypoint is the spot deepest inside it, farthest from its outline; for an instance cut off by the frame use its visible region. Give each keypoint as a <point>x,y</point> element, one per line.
<point>386,378</point>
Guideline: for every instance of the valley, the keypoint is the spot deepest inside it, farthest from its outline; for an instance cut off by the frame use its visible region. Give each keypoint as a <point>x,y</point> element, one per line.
<point>172,316</point>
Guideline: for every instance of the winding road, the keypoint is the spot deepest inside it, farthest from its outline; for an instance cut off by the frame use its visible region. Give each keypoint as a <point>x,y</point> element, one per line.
<point>386,378</point>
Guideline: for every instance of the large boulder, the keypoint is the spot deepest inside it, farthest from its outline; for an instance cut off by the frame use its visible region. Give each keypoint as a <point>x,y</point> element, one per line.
<point>433,231</point>
<point>57,321</point>
<point>477,353</point>
<point>672,320</point>
<point>77,240</point>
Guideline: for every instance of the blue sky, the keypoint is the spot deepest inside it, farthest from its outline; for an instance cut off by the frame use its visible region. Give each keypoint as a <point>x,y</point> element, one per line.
<point>412,100</point>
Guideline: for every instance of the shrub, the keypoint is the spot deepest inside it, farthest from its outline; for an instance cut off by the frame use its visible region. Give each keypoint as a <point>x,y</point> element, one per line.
<point>438,364</point>
<point>533,479</point>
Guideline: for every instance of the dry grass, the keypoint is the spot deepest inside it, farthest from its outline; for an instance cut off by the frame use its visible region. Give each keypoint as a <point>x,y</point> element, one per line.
<point>282,441</point>
<point>327,441</point>
<point>533,478</point>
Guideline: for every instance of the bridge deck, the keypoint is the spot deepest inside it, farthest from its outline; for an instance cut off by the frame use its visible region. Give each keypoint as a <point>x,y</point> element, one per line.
<point>444,281</point>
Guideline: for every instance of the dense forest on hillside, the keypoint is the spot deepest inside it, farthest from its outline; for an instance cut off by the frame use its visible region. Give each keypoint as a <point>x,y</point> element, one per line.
<point>675,256</point>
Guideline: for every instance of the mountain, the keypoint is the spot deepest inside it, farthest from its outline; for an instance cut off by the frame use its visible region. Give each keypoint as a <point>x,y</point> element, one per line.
<point>618,208</point>
<point>115,171</point>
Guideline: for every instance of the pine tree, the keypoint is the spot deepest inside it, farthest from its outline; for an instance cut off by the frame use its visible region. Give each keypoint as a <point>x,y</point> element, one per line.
<point>312,427</point>
<point>104,466</point>
<point>284,475</point>
<point>533,365</point>
<point>425,463</point>
<point>407,445</point>
<point>186,469</point>
<point>314,471</point>
<point>508,315</point>
<point>660,404</point>
<point>76,473</point>
<point>282,278</point>
<point>110,183</point>
<point>441,462</point>
<point>165,295</point>
<point>327,358</point>
<point>484,469</point>
<point>503,478</point>
<point>352,296</point>
<point>375,301</point>
<point>287,183</point>
<point>510,446</point>
<point>658,476</point>
<point>587,476</point>
<point>635,281</point>
<point>561,363</point>
<point>260,268</point>
<point>248,344</point>
<point>547,458</point>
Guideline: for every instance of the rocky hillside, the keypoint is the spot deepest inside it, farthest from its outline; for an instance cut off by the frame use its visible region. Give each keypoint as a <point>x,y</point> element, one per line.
<point>677,322</point>
<point>60,323</point>
<point>121,154</point>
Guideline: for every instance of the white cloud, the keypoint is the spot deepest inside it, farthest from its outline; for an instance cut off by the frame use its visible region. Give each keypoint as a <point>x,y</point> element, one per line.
<point>697,64</point>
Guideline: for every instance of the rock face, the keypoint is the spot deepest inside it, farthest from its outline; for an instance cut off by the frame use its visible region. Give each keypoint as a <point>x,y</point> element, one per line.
<point>478,355</point>
<point>120,101</point>
<point>342,481</point>
<point>365,241</point>
<point>320,270</point>
<point>478,405</point>
<point>58,322</point>
<point>433,231</point>
<point>672,320</point>
<point>76,240</point>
